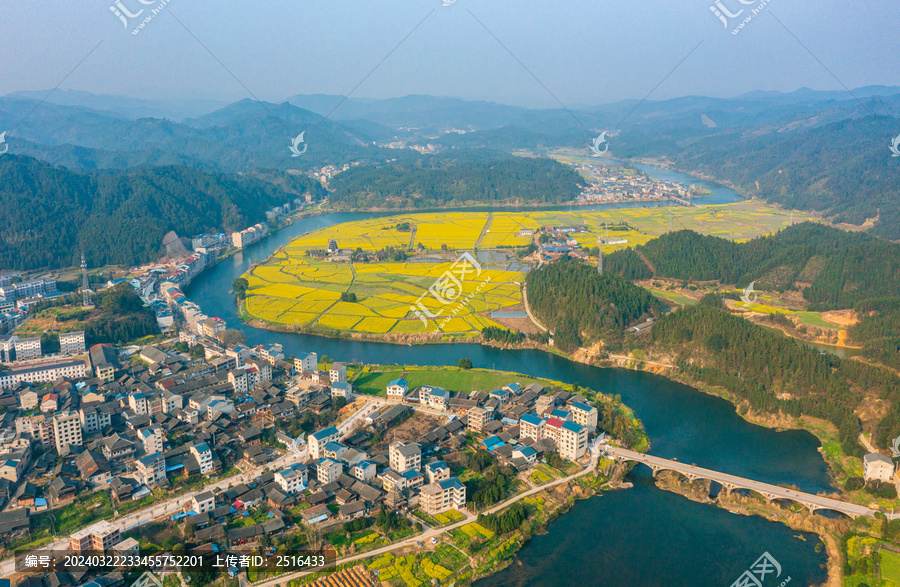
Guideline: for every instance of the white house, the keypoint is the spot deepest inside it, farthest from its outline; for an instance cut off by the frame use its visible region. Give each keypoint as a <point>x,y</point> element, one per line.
<point>877,467</point>
<point>397,389</point>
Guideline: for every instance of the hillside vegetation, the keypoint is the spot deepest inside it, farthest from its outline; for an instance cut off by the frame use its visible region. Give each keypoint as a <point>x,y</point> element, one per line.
<point>835,269</point>
<point>50,214</point>
<point>441,180</point>
<point>773,372</point>
<point>580,306</point>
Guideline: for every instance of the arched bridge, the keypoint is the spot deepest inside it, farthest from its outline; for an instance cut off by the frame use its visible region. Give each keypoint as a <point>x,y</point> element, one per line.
<point>729,482</point>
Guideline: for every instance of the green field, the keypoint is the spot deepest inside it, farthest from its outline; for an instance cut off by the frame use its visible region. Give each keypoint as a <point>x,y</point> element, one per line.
<point>890,567</point>
<point>374,382</point>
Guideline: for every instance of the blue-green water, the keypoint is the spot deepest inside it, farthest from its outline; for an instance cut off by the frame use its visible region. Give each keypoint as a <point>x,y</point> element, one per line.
<point>642,536</point>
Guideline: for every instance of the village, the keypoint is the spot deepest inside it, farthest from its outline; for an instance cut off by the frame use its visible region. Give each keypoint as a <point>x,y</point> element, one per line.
<point>236,445</point>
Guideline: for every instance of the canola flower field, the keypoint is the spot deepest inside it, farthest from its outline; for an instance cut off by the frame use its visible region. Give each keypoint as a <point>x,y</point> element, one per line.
<point>416,296</point>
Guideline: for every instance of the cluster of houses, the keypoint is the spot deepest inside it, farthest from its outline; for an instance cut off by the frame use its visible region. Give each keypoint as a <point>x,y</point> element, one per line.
<point>611,185</point>
<point>130,428</point>
<point>518,423</point>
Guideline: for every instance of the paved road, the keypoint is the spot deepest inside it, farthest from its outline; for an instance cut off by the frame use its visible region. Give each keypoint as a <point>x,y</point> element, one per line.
<point>435,532</point>
<point>807,499</point>
<point>176,504</point>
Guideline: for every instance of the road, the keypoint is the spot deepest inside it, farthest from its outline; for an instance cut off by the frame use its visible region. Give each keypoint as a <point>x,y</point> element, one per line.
<point>435,532</point>
<point>813,502</point>
<point>528,308</point>
<point>176,504</point>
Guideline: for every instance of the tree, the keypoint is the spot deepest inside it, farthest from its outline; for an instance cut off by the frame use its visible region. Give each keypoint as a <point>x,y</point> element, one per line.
<point>232,337</point>
<point>465,364</point>
<point>240,286</point>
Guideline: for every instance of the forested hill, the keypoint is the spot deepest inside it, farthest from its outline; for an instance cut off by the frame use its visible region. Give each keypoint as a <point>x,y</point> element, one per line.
<point>844,168</point>
<point>49,214</point>
<point>835,268</point>
<point>773,372</point>
<point>456,178</point>
<point>580,306</point>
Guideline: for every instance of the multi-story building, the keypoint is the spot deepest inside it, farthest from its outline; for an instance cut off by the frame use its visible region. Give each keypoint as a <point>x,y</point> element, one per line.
<point>152,439</point>
<point>435,398</point>
<point>584,414</point>
<point>248,236</point>
<point>306,362</point>
<point>28,289</point>
<point>138,403</point>
<point>100,536</point>
<point>293,479</point>
<point>338,373</point>
<point>93,420</point>
<point>437,471</point>
<point>477,418</point>
<point>318,440</point>
<point>66,431</point>
<point>203,454</point>
<point>71,343</point>
<point>328,470</point>
<point>397,389</point>
<point>171,402</point>
<point>28,348</point>
<point>405,456</point>
<point>571,438</point>
<point>151,469</point>
<point>442,496</point>
<point>203,502</point>
<point>531,426</point>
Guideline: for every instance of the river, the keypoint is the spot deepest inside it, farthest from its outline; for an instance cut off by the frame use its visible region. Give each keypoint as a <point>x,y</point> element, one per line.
<point>637,537</point>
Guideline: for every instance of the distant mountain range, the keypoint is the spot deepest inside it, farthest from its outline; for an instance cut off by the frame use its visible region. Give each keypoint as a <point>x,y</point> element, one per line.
<point>802,149</point>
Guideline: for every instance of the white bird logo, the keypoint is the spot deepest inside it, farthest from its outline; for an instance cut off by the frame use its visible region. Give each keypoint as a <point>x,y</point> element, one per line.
<point>895,146</point>
<point>747,292</point>
<point>295,445</point>
<point>449,2</point>
<point>600,140</point>
<point>295,143</point>
<point>895,447</point>
<point>3,142</point>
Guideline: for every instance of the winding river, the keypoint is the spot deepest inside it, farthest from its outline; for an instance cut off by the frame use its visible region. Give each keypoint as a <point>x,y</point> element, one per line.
<point>637,537</point>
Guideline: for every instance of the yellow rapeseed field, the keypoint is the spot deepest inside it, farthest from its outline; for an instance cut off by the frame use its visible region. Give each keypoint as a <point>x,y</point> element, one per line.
<point>295,288</point>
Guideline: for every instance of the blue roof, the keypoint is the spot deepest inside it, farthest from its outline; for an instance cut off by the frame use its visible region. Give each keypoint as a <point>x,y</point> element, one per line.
<point>583,407</point>
<point>202,447</point>
<point>492,442</point>
<point>439,392</point>
<point>334,446</point>
<point>532,419</point>
<point>451,482</point>
<point>411,473</point>
<point>513,386</point>
<point>340,385</point>
<point>561,414</point>
<point>526,451</point>
<point>572,426</point>
<point>499,392</point>
<point>437,465</point>
<point>366,464</point>
<point>400,382</point>
<point>325,433</point>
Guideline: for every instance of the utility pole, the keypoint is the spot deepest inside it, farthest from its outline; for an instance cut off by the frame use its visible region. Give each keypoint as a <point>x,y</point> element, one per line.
<point>600,256</point>
<point>85,292</point>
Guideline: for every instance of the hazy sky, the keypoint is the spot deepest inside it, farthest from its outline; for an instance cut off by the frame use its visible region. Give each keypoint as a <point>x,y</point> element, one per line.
<point>584,52</point>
